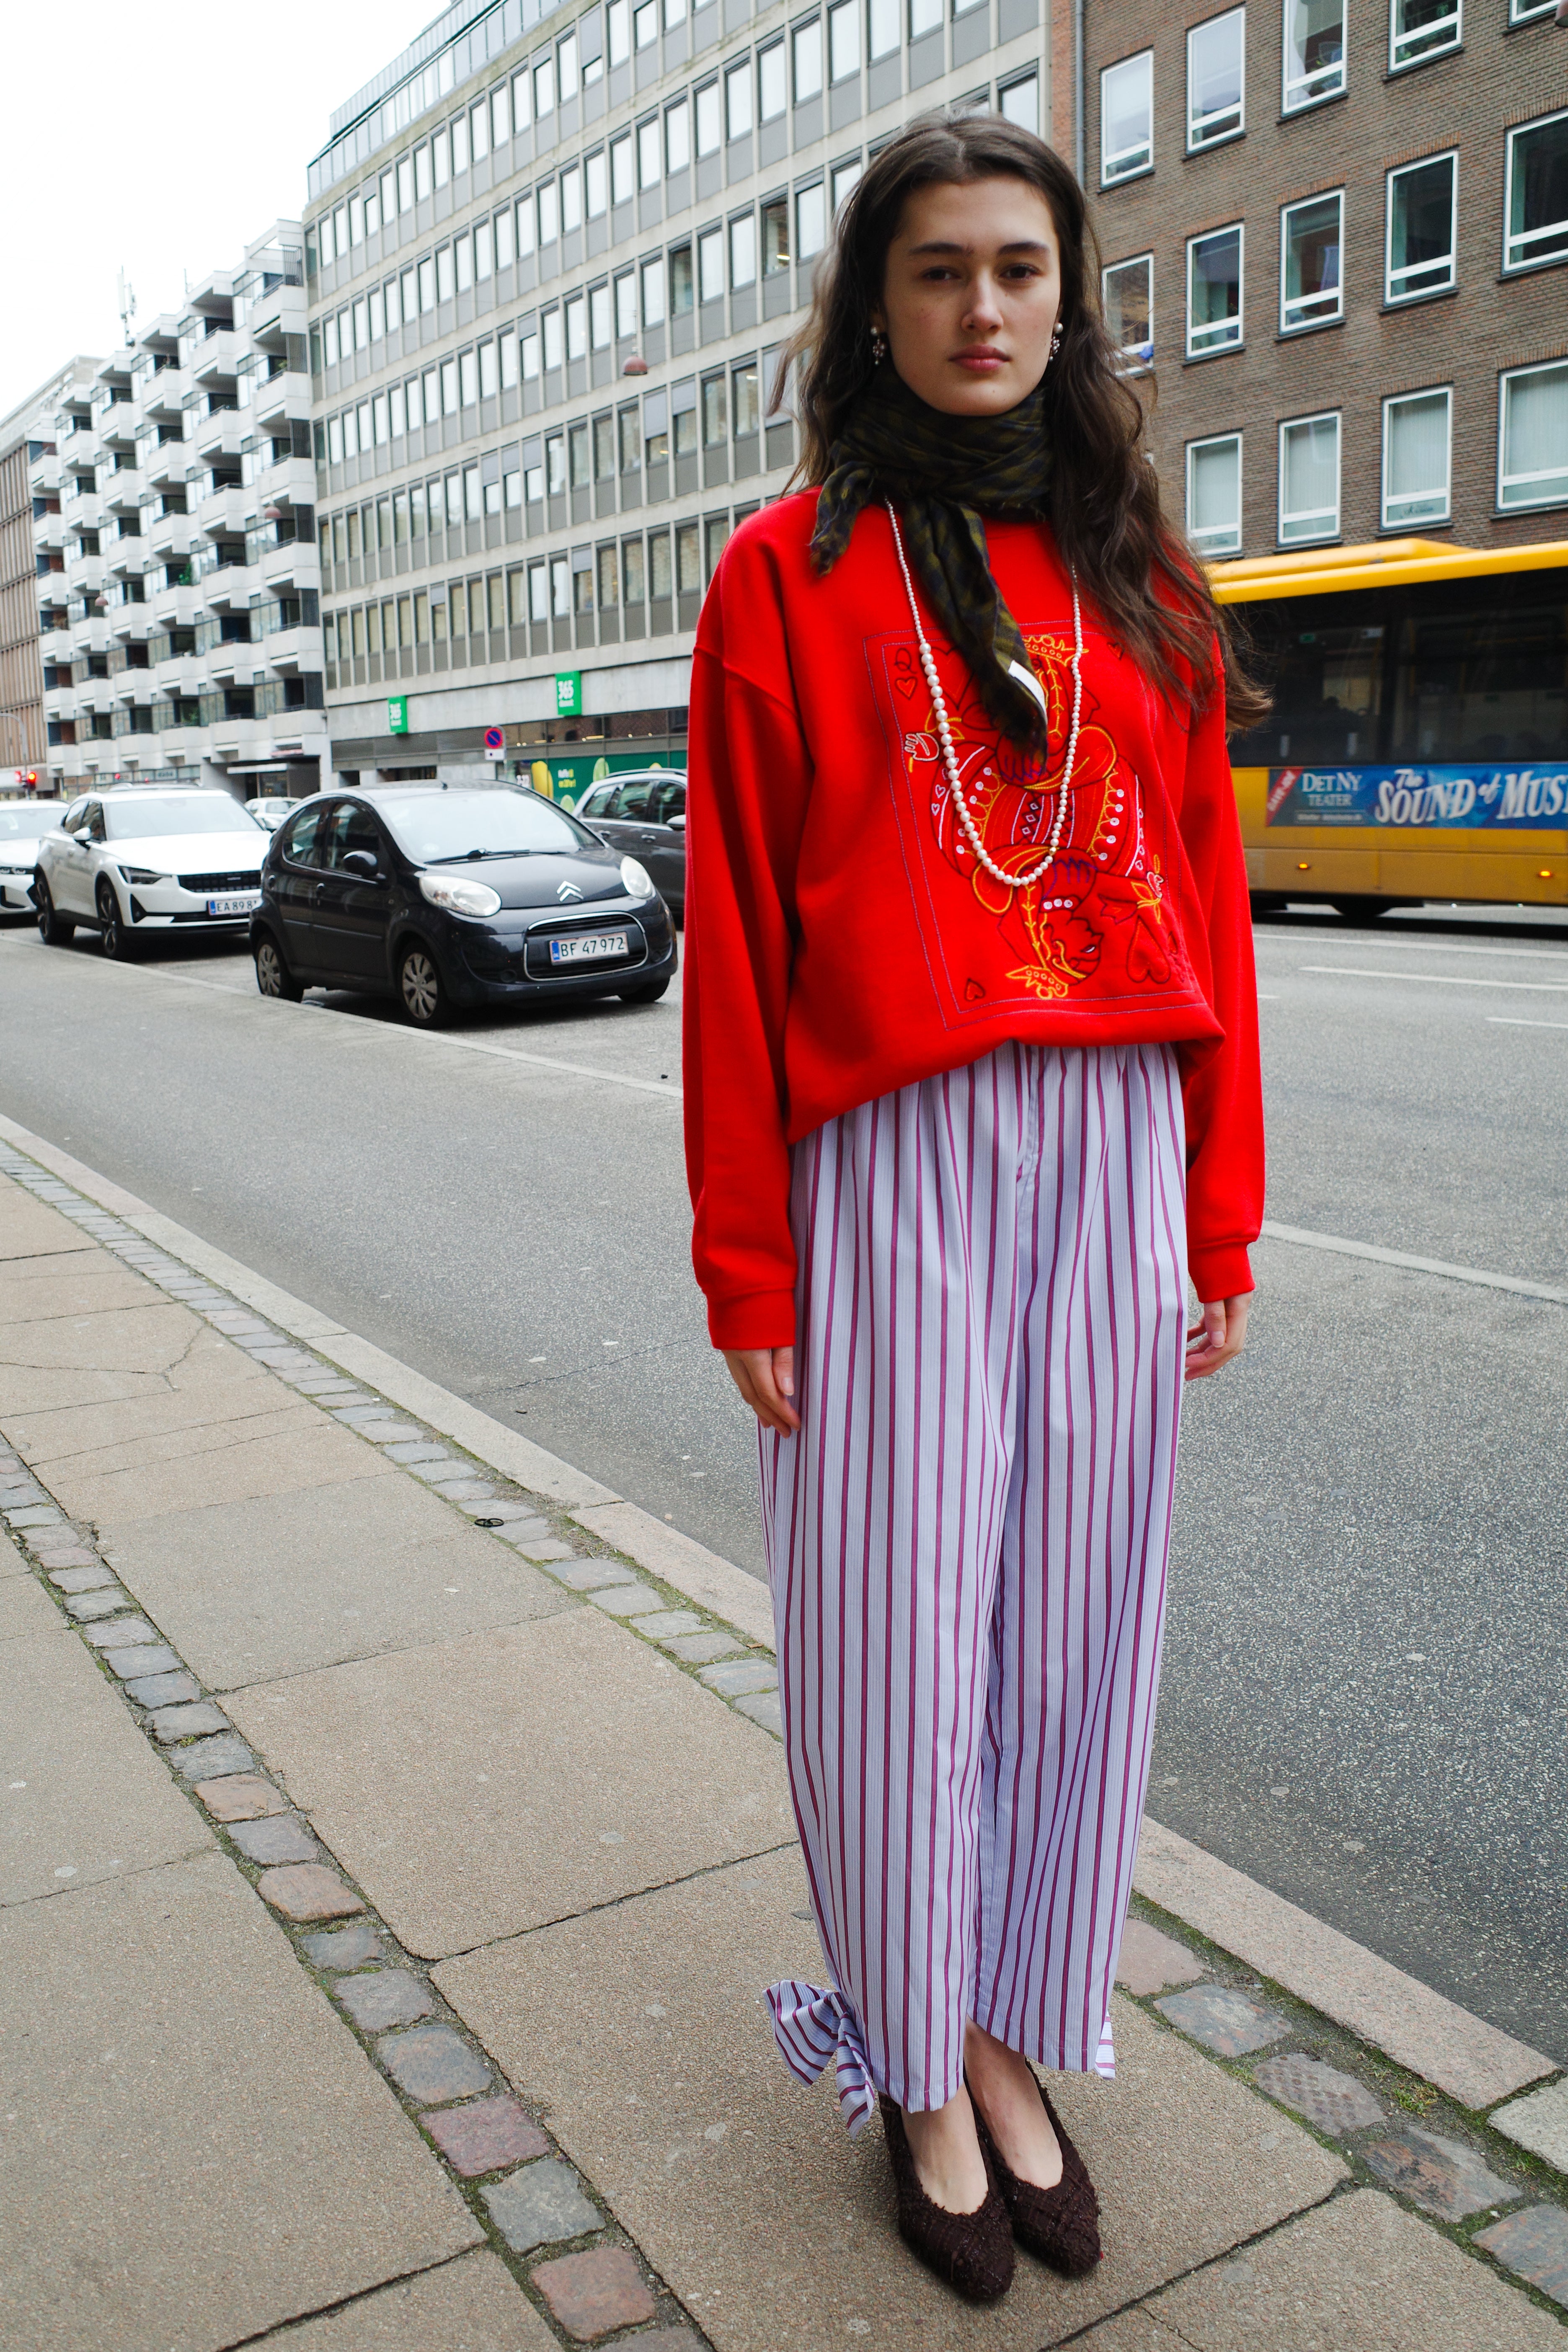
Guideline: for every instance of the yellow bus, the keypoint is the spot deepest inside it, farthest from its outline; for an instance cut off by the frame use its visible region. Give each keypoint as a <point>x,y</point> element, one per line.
<point>1417,748</point>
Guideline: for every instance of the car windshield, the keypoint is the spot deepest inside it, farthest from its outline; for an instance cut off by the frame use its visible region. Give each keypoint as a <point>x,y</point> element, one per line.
<point>28,824</point>
<point>164,812</point>
<point>443,828</point>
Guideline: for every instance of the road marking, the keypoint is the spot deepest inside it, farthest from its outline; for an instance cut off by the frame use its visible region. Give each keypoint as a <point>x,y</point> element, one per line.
<point>1305,1240</point>
<point>1511,1021</point>
<point>1436,947</point>
<point>1439,978</point>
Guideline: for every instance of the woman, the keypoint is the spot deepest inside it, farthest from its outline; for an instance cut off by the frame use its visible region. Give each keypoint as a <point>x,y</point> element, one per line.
<point>971,1084</point>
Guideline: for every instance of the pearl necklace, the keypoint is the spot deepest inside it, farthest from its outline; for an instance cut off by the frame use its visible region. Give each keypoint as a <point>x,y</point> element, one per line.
<point>945,733</point>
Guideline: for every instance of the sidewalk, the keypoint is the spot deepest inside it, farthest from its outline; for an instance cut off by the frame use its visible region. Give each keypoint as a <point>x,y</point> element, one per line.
<point>393,1864</point>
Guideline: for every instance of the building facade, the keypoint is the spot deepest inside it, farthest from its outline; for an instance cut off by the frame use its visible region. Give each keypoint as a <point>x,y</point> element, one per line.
<point>178,587</point>
<point>1336,237</point>
<point>553,258</point>
<point>29,548</point>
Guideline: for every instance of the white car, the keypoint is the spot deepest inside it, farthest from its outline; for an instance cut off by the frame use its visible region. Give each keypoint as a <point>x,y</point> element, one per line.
<point>23,825</point>
<point>271,813</point>
<point>137,859</point>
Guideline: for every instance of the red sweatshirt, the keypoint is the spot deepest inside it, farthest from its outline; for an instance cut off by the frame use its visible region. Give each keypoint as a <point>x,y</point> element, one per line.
<point>841,940</point>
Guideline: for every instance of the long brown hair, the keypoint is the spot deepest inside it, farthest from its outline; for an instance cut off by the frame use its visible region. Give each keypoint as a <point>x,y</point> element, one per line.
<point>1104,494</point>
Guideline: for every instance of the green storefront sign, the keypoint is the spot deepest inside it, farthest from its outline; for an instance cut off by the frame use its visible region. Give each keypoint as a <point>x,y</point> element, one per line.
<point>398,714</point>
<point>568,694</point>
<point>566,780</point>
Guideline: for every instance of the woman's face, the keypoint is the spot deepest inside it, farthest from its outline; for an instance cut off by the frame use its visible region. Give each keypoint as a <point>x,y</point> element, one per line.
<point>971,293</point>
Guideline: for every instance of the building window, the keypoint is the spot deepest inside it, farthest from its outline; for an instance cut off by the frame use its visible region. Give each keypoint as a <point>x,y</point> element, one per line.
<point>1020,102</point>
<point>845,178</point>
<point>1311,239</point>
<point>1213,292</point>
<point>844,40</point>
<point>1532,437</point>
<point>676,136</point>
<point>709,119</point>
<point>1423,228</point>
<point>626,306</point>
<point>810,221</point>
<point>738,100</point>
<point>1419,29</point>
<point>806,42</point>
<point>1126,298</point>
<point>1309,479</point>
<point>596,188</point>
<point>647,153</point>
<point>621,179</point>
<point>743,250</point>
<point>1314,52</point>
<point>1418,443</point>
<point>1126,118</point>
<point>1216,79</point>
<point>1213,495</point>
<point>772,94</point>
<point>1536,205</point>
<point>883,28</point>
<point>653,290</point>
<point>710,265</point>
<point>572,197</point>
<point>1521,12</point>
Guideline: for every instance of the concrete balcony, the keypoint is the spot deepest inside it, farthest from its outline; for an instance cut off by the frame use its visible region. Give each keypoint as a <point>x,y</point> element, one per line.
<point>51,591</point>
<point>126,557</point>
<point>215,358</point>
<point>291,483</point>
<point>117,427</point>
<point>170,537</point>
<point>84,575</point>
<point>122,492</point>
<point>285,649</point>
<point>299,731</point>
<point>281,397</point>
<point>131,685</point>
<point>276,315</point>
<point>44,475</point>
<point>221,514</point>
<point>167,466</point>
<point>60,702</point>
<point>82,510</point>
<point>241,738</point>
<point>181,674</point>
<point>229,589</point>
<point>281,566</point>
<point>49,534</point>
<point>172,608</point>
<point>220,436</point>
<point>129,624</point>
<point>165,399</point>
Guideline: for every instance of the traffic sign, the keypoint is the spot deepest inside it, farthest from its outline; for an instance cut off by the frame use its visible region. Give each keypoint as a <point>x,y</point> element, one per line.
<point>398,714</point>
<point>568,694</point>
<point>495,742</point>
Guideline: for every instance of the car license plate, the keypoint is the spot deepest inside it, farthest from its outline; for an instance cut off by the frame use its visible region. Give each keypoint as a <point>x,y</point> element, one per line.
<point>237,902</point>
<point>591,949</point>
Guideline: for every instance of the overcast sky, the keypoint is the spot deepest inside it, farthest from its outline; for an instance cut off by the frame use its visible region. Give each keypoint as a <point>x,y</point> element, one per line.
<point>161,141</point>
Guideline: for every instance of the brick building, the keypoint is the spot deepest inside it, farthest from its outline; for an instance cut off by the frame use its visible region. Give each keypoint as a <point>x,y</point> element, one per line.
<point>1336,245</point>
<point>29,550</point>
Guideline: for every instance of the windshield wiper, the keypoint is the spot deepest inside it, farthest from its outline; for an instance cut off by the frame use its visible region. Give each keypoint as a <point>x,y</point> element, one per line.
<point>470,856</point>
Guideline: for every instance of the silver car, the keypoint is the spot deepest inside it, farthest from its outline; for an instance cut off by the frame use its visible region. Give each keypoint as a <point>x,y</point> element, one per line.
<point>136,859</point>
<point>23,825</point>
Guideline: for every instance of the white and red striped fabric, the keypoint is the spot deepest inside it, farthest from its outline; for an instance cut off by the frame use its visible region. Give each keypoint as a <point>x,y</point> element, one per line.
<point>967,1548</point>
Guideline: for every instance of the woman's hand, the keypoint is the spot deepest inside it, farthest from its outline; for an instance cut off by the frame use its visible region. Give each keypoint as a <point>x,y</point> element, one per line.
<point>765,1378</point>
<point>1220,1335</point>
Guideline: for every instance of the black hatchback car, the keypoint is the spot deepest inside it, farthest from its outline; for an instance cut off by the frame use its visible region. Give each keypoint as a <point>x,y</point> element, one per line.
<point>455,898</point>
<point>643,809</point>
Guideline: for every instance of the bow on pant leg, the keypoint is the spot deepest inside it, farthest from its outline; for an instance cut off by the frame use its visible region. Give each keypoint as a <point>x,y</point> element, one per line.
<point>967,1546</point>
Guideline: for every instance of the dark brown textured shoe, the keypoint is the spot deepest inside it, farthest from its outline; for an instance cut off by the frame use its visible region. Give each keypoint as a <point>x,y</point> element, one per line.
<point>971,2252</point>
<point>1060,2225</point>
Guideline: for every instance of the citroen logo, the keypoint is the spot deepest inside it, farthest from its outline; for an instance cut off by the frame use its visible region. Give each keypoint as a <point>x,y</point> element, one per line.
<point>567,892</point>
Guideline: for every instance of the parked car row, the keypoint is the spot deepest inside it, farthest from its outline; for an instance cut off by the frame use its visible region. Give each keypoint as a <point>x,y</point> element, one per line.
<point>437,898</point>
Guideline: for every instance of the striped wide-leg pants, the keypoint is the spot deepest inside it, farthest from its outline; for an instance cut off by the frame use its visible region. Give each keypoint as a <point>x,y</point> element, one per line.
<point>966,1544</point>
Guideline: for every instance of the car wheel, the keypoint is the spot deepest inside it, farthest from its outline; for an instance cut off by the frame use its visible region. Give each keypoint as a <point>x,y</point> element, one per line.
<point>273,977</point>
<point>118,944</point>
<point>54,930</point>
<point>420,988</point>
<point>649,993</point>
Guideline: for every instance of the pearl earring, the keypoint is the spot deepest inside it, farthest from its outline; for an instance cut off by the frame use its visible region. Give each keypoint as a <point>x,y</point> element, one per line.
<point>878,347</point>
<point>1056,345</point>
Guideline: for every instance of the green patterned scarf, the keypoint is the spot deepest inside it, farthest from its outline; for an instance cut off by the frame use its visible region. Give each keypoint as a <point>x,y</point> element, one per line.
<point>944,474</point>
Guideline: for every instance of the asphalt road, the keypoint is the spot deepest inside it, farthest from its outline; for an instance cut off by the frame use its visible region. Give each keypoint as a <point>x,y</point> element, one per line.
<point>1366,1664</point>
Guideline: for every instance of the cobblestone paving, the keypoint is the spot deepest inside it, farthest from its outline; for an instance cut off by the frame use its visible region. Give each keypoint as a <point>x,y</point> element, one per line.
<point>574,2263</point>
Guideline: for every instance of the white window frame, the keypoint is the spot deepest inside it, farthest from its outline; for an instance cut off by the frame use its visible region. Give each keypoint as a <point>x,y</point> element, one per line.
<point>1555,473</point>
<point>1398,522</point>
<point>1013,89</point>
<point>1114,167</point>
<point>1138,355</point>
<point>1527,13</point>
<point>1513,264</point>
<point>845,41</point>
<point>1312,538</point>
<point>1234,343</point>
<point>1391,293</point>
<point>1409,50</point>
<point>1198,139</point>
<point>1202,541</point>
<point>1320,317</point>
<point>1301,83</point>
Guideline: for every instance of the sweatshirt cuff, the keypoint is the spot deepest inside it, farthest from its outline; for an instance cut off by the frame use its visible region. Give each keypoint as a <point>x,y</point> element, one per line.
<point>758,1318</point>
<point>1223,1271</point>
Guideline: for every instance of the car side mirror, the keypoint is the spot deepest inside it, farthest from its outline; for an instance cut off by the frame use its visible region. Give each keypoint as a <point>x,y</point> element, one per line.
<point>676,823</point>
<point>362,865</point>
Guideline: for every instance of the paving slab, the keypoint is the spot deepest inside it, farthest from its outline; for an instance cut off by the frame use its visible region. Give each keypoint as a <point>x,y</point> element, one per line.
<point>541,2204</point>
<point>187,2105</point>
<point>251,1590</point>
<point>1151,1962</point>
<point>30,1228</point>
<point>150,1339</point>
<point>285,1450</point>
<point>1540,2123</point>
<point>642,2031</point>
<point>25,1609</point>
<point>96,1802</point>
<point>1224,2021</point>
<point>473,2304</point>
<point>1440,2175</point>
<point>1336,2103</point>
<point>578,1762</point>
<point>1535,2245</point>
<point>1358,2275</point>
<point>485,2134</point>
<point>12,1560</point>
<point>80,1282</point>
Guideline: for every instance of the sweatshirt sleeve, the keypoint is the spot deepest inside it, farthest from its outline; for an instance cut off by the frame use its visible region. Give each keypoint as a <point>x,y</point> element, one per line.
<point>749,777</point>
<point>1222,1089</point>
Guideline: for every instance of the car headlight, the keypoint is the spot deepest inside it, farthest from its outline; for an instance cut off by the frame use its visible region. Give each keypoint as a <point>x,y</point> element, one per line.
<point>635,880</point>
<point>458,897</point>
<point>143,874</point>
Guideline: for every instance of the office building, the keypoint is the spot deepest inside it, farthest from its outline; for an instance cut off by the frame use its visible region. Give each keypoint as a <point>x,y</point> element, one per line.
<point>1339,237</point>
<point>553,259</point>
<point>30,547</point>
<point>179,602</point>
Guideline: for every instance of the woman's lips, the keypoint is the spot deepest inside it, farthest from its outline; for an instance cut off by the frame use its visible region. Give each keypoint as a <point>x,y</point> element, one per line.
<point>984,362</point>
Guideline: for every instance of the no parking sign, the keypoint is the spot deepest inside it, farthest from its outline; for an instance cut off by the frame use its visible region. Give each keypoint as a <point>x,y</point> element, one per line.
<point>495,742</point>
